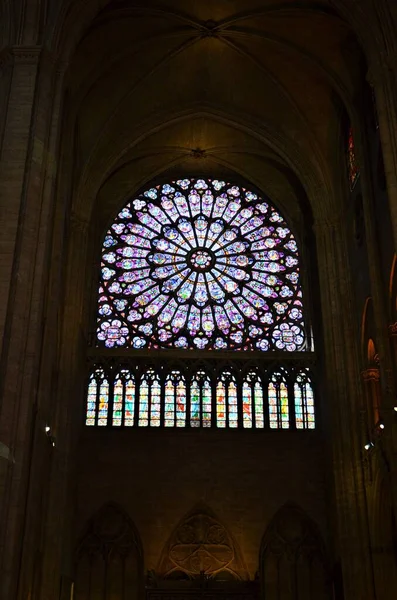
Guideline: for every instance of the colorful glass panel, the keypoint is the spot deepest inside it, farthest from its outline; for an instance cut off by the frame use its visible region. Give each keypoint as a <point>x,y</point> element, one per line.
<point>195,404</point>
<point>175,400</point>
<point>352,164</point>
<point>258,403</point>
<point>91,401</point>
<point>232,404</point>
<point>144,404</point>
<point>304,403</point>
<point>273,406</point>
<point>103,403</point>
<point>247,405</point>
<point>169,413</point>
<point>252,400</point>
<point>129,407</point>
<point>170,399</point>
<point>155,407</point>
<point>118,401</point>
<point>200,264</point>
<point>284,409</point>
<point>278,403</point>
<point>206,403</point>
<point>220,404</point>
<point>181,404</point>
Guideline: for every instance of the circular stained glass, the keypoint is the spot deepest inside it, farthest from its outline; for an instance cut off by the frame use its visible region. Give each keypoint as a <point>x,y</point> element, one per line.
<point>200,264</point>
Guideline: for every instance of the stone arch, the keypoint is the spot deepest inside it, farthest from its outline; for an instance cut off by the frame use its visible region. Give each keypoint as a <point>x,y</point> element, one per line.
<point>69,24</point>
<point>293,563</point>
<point>109,557</point>
<point>201,545</point>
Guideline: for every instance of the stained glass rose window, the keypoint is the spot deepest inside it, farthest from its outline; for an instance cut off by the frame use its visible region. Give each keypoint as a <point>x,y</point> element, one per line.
<point>200,264</point>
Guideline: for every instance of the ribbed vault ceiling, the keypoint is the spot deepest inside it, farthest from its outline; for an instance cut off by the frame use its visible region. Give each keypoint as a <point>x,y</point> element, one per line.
<point>233,88</point>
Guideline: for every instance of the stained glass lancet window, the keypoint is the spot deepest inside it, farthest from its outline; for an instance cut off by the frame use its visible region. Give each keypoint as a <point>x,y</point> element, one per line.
<point>175,400</point>
<point>200,400</point>
<point>149,400</point>
<point>97,398</point>
<point>252,398</point>
<point>352,164</point>
<point>189,397</point>
<point>124,399</point>
<point>304,402</point>
<point>200,264</point>
<point>278,402</point>
<point>226,401</point>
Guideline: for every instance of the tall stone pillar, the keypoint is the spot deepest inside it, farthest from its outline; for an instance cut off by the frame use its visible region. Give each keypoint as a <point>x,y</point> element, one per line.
<point>344,401</point>
<point>58,552</point>
<point>383,77</point>
<point>27,175</point>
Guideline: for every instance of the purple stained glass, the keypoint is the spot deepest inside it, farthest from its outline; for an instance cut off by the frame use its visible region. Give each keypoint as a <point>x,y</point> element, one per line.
<point>200,264</point>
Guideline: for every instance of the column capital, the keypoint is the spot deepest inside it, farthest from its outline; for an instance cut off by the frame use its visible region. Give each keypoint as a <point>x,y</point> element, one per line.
<point>393,329</point>
<point>371,374</point>
<point>27,55</point>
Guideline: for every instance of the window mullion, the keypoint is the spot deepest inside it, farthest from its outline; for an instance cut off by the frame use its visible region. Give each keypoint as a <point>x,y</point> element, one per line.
<point>239,391</point>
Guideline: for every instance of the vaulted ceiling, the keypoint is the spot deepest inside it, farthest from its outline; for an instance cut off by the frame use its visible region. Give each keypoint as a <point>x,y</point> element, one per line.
<point>233,88</point>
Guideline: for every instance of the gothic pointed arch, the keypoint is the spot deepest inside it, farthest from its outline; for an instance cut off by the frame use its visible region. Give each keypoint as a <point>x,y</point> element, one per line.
<point>292,562</point>
<point>201,544</point>
<point>109,557</point>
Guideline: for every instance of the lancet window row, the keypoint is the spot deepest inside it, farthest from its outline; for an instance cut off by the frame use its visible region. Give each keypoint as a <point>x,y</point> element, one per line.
<point>258,399</point>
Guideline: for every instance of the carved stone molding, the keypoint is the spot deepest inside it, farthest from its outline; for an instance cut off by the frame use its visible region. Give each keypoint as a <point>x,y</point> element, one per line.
<point>200,545</point>
<point>293,545</point>
<point>371,374</point>
<point>109,531</point>
<point>393,329</point>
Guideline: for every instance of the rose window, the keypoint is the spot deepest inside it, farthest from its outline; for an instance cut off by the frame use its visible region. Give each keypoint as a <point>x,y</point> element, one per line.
<point>200,264</point>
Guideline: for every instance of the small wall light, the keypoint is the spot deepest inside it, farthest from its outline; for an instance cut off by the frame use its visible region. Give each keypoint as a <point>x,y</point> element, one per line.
<point>47,429</point>
<point>395,408</point>
<point>381,425</point>
<point>368,445</point>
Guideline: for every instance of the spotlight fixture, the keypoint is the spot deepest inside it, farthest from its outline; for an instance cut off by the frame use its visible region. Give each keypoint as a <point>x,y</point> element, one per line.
<point>395,408</point>
<point>368,446</point>
<point>381,425</point>
<point>47,429</point>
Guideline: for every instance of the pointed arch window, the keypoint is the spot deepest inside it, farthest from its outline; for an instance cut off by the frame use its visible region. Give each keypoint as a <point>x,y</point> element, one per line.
<point>97,398</point>
<point>175,400</point>
<point>124,399</point>
<point>149,400</point>
<point>252,401</point>
<point>226,400</point>
<point>278,402</point>
<point>200,400</point>
<point>304,401</point>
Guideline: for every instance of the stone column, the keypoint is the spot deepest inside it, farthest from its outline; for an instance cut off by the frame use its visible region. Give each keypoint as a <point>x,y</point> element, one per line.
<point>342,385</point>
<point>27,175</point>
<point>68,418</point>
<point>380,304</point>
<point>383,78</point>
